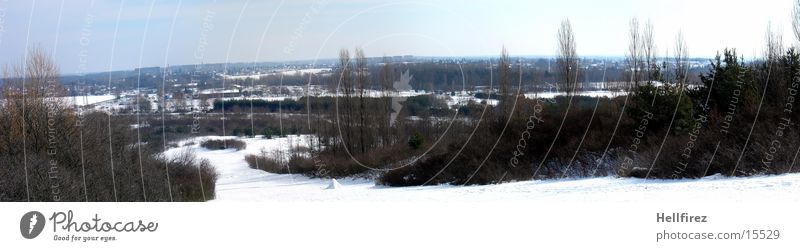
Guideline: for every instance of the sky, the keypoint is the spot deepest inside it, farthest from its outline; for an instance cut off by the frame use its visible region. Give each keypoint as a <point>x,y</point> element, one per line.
<point>101,35</point>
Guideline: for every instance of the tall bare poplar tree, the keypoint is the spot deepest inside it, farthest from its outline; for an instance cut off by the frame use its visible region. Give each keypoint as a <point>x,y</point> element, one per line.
<point>345,110</point>
<point>650,51</point>
<point>362,80</point>
<point>387,81</point>
<point>634,55</point>
<point>681,63</point>
<point>567,58</point>
<point>504,76</point>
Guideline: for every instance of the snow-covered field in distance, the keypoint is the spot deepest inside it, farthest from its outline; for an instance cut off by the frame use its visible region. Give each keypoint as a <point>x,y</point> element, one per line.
<point>86,100</point>
<point>593,94</point>
<point>239,183</point>
<point>286,72</point>
<point>80,100</point>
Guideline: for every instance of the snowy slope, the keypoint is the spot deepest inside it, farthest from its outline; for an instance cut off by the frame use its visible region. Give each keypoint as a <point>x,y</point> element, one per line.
<point>238,182</point>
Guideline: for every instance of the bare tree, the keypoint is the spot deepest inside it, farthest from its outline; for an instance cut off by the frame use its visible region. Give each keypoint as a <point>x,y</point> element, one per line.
<point>634,54</point>
<point>345,71</point>
<point>387,79</point>
<point>774,55</point>
<point>774,41</point>
<point>362,79</point>
<point>161,98</point>
<point>681,64</point>
<point>38,76</point>
<point>345,84</point>
<point>567,58</point>
<point>503,76</point>
<point>649,50</point>
<point>387,74</point>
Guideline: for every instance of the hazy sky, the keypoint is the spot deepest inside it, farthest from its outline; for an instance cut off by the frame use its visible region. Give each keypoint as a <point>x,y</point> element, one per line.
<point>99,35</point>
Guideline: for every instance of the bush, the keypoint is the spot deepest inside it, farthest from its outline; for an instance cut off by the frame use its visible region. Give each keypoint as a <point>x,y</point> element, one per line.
<point>181,129</point>
<point>191,179</point>
<point>416,141</point>
<point>223,144</point>
<point>300,161</point>
<point>277,162</point>
<point>266,163</point>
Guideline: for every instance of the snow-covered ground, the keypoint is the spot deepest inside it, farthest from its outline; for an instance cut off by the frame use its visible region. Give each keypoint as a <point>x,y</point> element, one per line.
<point>286,72</point>
<point>81,100</point>
<point>594,94</point>
<point>463,99</point>
<point>87,100</point>
<point>238,182</point>
<point>306,71</point>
